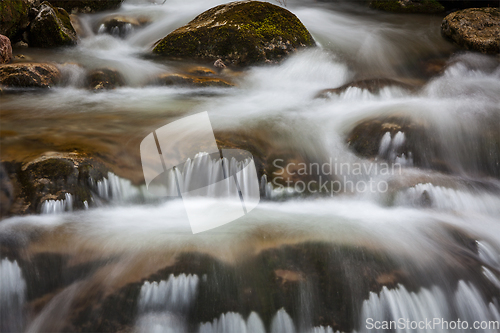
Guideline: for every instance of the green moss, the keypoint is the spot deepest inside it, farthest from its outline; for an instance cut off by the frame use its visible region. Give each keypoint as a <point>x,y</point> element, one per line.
<point>14,17</point>
<point>395,6</point>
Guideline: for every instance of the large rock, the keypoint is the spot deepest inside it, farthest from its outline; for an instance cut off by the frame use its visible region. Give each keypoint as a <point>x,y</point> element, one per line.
<point>54,176</point>
<point>5,50</point>
<point>408,6</point>
<point>104,78</point>
<point>29,75</point>
<point>6,192</point>
<point>14,17</point>
<point>86,6</point>
<point>52,27</point>
<point>475,29</point>
<point>242,33</point>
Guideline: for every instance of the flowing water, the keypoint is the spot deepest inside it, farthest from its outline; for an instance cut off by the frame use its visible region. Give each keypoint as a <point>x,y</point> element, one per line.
<point>424,244</point>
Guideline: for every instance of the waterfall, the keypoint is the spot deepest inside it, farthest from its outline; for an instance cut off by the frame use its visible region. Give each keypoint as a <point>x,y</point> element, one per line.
<point>162,306</point>
<point>12,296</point>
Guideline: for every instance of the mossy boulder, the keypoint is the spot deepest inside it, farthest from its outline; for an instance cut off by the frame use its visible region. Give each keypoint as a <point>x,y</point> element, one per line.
<point>408,6</point>
<point>240,33</point>
<point>51,28</point>
<point>5,50</point>
<point>104,79</point>
<point>14,17</point>
<point>475,29</point>
<point>86,6</point>
<point>29,75</point>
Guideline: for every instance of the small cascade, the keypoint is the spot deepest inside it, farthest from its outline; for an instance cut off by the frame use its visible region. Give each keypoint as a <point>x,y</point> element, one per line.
<point>447,199</point>
<point>162,306</point>
<point>57,206</point>
<point>393,304</point>
<point>389,149</point>
<point>117,189</point>
<point>323,329</point>
<point>12,296</point>
<point>275,193</point>
<point>282,323</point>
<point>121,30</point>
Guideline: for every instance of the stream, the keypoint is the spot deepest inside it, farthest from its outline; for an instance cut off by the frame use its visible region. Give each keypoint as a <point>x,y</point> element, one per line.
<point>424,244</point>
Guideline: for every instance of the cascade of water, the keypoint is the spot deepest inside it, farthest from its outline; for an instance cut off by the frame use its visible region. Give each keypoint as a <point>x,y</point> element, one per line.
<point>448,199</point>
<point>57,206</point>
<point>282,323</point>
<point>397,306</point>
<point>162,305</point>
<point>12,296</point>
<point>389,147</point>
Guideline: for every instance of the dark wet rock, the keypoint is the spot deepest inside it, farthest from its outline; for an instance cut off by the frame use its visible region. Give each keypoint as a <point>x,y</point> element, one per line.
<point>51,28</point>
<point>241,33</point>
<point>105,78</point>
<point>6,192</point>
<point>192,81</point>
<point>5,50</point>
<point>86,6</point>
<point>476,29</point>
<point>372,85</point>
<point>51,177</point>
<point>408,6</point>
<point>29,75</point>
<point>14,17</point>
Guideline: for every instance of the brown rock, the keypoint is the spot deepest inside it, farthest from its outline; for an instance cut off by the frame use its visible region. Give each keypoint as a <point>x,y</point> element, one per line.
<point>5,50</point>
<point>475,29</point>
<point>104,78</point>
<point>193,81</point>
<point>29,75</point>
<point>51,27</point>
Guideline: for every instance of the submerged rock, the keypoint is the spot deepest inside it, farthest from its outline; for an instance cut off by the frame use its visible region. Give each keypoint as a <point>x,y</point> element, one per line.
<point>52,27</point>
<point>29,75</point>
<point>104,78</point>
<point>475,29</point>
<point>192,81</point>
<point>14,17</point>
<point>54,176</point>
<point>5,50</point>
<point>408,6</point>
<point>241,33</point>
<point>86,6</point>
